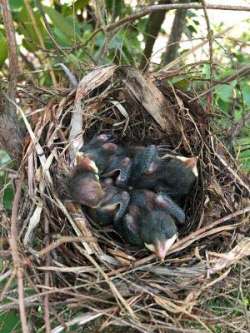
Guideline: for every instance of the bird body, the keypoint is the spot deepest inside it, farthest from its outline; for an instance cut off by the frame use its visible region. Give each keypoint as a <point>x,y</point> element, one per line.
<point>100,150</point>
<point>110,159</point>
<point>150,221</point>
<point>112,207</point>
<point>142,161</point>
<point>174,175</point>
<point>119,167</point>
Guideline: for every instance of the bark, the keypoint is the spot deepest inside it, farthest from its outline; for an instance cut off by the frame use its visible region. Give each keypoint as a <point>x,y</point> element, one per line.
<point>175,35</point>
<point>152,30</point>
<point>11,134</point>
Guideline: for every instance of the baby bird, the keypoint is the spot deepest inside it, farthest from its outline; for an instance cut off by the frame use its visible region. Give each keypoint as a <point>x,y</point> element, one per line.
<point>100,150</point>
<point>84,185</point>
<point>150,221</point>
<point>119,167</point>
<point>111,159</point>
<point>142,160</point>
<point>112,207</point>
<point>174,175</point>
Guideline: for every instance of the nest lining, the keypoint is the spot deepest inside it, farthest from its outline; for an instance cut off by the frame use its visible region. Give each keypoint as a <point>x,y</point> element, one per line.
<point>88,265</point>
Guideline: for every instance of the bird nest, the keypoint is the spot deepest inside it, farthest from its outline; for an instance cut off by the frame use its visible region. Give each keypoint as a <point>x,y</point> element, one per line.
<point>84,270</point>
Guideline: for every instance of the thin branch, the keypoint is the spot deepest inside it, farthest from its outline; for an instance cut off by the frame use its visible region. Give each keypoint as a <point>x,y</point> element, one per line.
<point>46,282</point>
<point>150,9</point>
<point>184,55</point>
<point>154,8</point>
<point>63,240</point>
<point>245,70</point>
<point>210,39</point>
<point>7,285</point>
<point>17,260</point>
<point>210,43</point>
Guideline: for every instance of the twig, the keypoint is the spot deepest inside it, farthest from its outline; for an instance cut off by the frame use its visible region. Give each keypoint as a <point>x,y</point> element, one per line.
<point>80,320</point>
<point>153,8</point>
<point>5,275</point>
<point>116,293</point>
<point>13,238</point>
<point>210,43</point>
<point>46,281</point>
<point>183,56</point>
<point>234,173</point>
<point>7,285</point>
<point>59,242</point>
<point>242,71</point>
<point>72,79</point>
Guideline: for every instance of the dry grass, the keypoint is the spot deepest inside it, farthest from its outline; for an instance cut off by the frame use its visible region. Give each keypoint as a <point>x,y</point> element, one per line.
<point>80,273</point>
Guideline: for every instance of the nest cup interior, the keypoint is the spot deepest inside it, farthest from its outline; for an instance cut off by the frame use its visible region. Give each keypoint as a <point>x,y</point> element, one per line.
<point>113,109</point>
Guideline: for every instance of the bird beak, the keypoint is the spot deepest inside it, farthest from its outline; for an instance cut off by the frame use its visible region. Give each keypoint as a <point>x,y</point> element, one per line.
<point>162,247</point>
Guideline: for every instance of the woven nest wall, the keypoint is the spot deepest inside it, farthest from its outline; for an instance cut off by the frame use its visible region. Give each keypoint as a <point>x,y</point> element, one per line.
<point>86,268</point>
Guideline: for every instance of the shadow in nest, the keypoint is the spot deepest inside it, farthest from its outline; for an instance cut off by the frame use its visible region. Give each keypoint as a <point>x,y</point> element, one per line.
<point>90,267</point>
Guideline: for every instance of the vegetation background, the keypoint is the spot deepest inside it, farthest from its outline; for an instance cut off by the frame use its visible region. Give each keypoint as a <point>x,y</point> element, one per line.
<point>83,34</point>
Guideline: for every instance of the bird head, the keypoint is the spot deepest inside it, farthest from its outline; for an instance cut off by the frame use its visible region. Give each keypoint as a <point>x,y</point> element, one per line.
<point>159,232</point>
<point>85,163</point>
<point>84,184</point>
<point>190,163</point>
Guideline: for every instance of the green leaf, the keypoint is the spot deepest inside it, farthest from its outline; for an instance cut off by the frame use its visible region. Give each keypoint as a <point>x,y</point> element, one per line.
<point>68,10</point>
<point>225,92</point>
<point>183,84</point>
<point>191,29</point>
<point>66,25</point>
<point>80,4</point>
<point>9,322</point>
<point>206,71</point>
<point>223,105</point>
<point>244,141</point>
<point>8,197</point>
<point>115,7</point>
<point>26,28</point>
<point>4,157</point>
<point>3,49</point>
<point>16,4</point>
<point>61,38</point>
<point>246,93</point>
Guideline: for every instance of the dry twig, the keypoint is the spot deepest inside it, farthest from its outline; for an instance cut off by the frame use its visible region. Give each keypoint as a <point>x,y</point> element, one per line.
<point>17,260</point>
